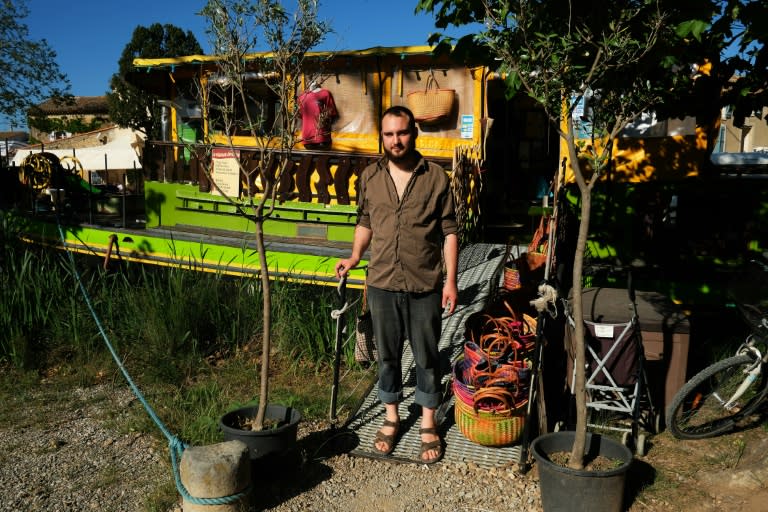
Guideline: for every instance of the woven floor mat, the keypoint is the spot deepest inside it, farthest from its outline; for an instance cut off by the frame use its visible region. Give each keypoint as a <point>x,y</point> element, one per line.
<point>478,274</point>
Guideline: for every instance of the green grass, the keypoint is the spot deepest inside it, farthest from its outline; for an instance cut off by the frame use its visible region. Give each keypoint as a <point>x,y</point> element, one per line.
<point>190,341</point>
<point>164,498</point>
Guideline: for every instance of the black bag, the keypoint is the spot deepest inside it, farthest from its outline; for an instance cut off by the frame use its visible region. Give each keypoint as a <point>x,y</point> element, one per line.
<point>365,343</point>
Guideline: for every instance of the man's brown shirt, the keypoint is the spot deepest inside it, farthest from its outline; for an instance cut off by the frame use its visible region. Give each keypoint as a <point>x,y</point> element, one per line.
<point>408,234</point>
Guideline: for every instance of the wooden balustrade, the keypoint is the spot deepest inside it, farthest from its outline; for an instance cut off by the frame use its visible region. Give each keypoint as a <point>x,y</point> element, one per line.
<point>325,169</point>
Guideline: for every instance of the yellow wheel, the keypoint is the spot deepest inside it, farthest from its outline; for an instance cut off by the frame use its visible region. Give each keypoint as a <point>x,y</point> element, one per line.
<point>37,170</point>
<point>71,165</point>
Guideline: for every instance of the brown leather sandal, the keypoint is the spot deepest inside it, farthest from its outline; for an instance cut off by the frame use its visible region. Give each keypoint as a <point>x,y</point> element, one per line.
<point>436,445</point>
<point>388,439</point>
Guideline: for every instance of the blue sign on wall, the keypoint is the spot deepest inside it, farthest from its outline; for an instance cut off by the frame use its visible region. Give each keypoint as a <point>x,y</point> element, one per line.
<point>467,126</point>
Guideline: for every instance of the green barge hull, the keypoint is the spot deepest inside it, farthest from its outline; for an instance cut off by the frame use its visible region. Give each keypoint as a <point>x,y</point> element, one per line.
<point>185,228</point>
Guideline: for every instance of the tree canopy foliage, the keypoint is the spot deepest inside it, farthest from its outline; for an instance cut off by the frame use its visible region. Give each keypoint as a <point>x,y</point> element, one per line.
<point>730,39</point>
<point>724,41</point>
<point>77,124</point>
<point>620,58</point>
<point>129,106</point>
<point>594,66</point>
<point>29,73</point>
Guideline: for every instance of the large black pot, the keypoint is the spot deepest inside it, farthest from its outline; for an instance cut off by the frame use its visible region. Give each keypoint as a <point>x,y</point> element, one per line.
<point>570,490</point>
<point>272,444</point>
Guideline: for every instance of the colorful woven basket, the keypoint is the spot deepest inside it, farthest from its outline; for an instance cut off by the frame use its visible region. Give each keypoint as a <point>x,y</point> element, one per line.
<point>464,390</point>
<point>513,376</point>
<point>473,354</point>
<point>487,416</point>
<point>511,276</point>
<point>461,389</point>
<point>500,428</point>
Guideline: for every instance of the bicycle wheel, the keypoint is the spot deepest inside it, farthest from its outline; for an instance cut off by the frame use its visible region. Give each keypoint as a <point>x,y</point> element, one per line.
<point>697,411</point>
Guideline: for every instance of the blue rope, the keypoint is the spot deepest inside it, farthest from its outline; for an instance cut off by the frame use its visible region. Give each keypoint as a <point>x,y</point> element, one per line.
<point>175,445</point>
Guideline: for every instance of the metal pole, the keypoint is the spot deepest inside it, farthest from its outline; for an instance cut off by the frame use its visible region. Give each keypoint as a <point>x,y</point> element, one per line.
<point>137,180</point>
<point>90,199</point>
<point>125,188</point>
<point>340,324</point>
<point>536,399</point>
<point>105,181</point>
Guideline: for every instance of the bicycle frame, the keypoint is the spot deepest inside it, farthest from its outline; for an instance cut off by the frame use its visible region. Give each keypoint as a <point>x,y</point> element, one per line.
<point>752,373</point>
<point>719,397</point>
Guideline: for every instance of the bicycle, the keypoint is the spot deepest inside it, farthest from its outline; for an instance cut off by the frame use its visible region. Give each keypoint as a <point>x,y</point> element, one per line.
<point>718,398</point>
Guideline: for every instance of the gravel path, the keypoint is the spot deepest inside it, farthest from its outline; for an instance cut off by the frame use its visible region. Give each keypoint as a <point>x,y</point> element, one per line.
<point>65,454</point>
<point>60,455</point>
<point>336,481</point>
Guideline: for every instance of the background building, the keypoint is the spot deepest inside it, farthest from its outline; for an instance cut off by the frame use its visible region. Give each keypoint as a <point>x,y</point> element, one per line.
<point>51,120</point>
<point>753,136</point>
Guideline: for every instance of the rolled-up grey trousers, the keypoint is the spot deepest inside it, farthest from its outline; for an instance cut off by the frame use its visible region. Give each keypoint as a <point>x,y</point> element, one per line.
<point>416,317</point>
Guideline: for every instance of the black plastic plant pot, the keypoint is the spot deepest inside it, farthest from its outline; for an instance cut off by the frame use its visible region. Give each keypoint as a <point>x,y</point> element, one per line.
<point>274,442</point>
<point>569,490</point>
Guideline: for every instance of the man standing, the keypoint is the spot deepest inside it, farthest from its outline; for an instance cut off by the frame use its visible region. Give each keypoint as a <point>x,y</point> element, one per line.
<point>406,216</point>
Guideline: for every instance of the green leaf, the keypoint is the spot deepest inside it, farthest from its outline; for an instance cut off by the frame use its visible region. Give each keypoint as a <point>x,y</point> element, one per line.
<point>513,83</point>
<point>692,28</point>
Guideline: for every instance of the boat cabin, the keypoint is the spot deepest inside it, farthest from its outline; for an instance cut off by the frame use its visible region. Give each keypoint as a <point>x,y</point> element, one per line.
<point>507,145</point>
<point>502,154</point>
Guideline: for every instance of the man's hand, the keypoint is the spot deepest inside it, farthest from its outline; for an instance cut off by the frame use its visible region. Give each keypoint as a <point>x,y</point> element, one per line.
<point>344,266</point>
<point>451,258</point>
<point>359,245</point>
<point>450,296</point>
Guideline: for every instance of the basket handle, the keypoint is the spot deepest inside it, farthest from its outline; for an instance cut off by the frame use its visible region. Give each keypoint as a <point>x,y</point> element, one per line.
<point>364,305</point>
<point>502,324</point>
<point>496,342</point>
<point>495,378</point>
<point>508,252</point>
<point>431,82</point>
<point>498,394</point>
<point>511,311</point>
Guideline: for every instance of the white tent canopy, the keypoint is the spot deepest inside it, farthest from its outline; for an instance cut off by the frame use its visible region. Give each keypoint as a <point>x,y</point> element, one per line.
<point>121,151</point>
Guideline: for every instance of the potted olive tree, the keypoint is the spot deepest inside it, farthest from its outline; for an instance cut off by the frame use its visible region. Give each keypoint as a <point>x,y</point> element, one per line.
<point>251,99</point>
<point>593,68</point>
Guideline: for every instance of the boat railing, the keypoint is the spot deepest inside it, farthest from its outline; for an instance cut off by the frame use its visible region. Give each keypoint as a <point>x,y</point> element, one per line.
<point>116,197</point>
<point>319,176</point>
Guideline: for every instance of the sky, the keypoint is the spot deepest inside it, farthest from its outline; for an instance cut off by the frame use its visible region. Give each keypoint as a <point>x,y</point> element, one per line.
<point>88,36</point>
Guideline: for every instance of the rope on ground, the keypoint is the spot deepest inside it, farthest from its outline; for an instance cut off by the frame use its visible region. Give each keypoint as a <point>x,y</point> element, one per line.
<point>176,446</point>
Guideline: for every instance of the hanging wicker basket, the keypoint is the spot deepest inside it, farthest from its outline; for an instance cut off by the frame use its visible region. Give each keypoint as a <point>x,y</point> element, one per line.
<point>432,105</point>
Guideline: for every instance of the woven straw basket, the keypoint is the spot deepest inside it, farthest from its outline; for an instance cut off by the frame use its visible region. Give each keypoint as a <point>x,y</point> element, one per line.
<point>432,105</point>
<point>495,426</point>
<point>488,428</point>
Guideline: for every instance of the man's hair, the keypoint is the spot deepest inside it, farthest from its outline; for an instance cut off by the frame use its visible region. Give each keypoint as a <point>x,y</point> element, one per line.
<point>401,111</point>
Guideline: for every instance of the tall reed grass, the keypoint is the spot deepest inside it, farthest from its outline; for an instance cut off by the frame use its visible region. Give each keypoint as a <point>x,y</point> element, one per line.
<point>164,321</point>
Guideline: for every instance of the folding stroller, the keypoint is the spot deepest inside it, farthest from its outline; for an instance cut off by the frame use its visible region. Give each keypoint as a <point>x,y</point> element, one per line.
<point>617,389</point>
